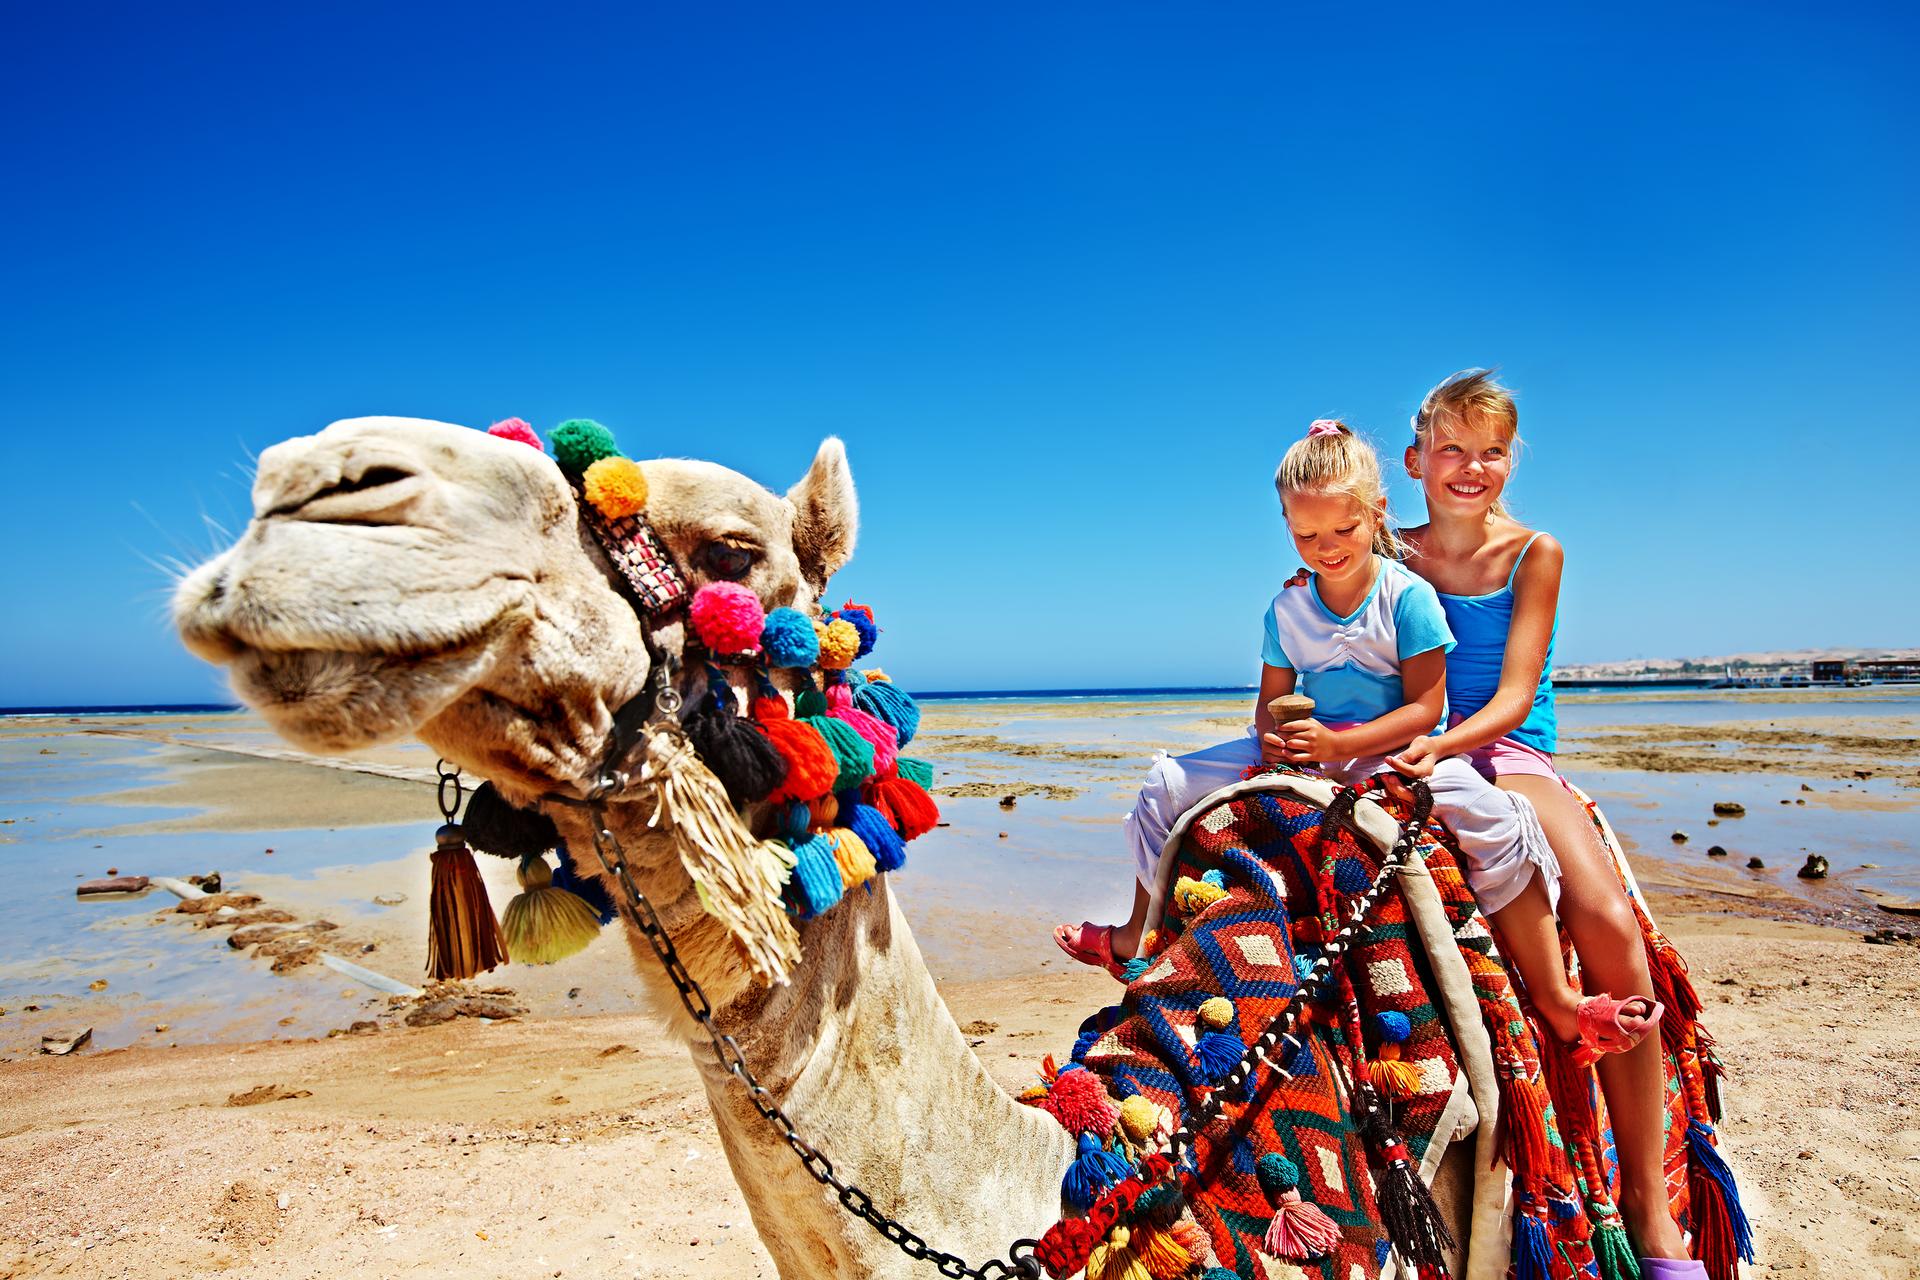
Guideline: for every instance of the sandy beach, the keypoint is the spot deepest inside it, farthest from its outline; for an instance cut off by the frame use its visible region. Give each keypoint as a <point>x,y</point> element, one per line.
<point>260,1133</point>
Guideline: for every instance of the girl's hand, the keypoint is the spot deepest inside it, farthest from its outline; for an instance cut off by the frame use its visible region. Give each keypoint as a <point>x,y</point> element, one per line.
<point>1272,749</point>
<point>1417,760</point>
<point>1308,742</point>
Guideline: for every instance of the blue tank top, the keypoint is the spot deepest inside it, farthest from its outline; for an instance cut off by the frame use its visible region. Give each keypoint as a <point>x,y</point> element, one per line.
<point>1480,625</point>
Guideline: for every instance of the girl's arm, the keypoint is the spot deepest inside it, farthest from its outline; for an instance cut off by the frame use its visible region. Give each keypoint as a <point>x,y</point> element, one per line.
<point>1536,599</point>
<point>1274,681</point>
<point>1423,678</point>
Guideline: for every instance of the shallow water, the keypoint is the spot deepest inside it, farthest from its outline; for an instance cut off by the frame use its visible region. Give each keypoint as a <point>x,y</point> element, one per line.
<point>981,892</point>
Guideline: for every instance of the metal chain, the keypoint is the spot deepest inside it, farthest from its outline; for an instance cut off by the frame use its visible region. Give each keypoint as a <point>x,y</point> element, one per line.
<point>1020,1260</point>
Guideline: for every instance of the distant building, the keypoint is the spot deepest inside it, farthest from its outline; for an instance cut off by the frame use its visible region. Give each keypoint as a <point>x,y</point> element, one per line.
<point>1865,670</point>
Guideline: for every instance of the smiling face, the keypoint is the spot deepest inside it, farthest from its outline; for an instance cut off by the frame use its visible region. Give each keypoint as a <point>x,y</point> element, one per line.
<point>1463,462</point>
<point>1334,534</point>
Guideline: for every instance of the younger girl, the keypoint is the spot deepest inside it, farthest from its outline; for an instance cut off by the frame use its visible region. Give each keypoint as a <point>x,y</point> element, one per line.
<point>1500,584</point>
<point>1367,640</point>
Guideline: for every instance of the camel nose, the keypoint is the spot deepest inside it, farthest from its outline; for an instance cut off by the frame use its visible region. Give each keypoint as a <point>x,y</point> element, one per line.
<point>326,483</point>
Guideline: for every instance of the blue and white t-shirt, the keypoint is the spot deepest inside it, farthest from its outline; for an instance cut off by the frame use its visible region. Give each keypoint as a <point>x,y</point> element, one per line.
<point>1350,666</point>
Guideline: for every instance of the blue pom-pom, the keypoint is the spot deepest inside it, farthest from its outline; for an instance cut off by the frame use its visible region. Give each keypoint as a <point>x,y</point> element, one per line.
<point>1083,1042</point>
<point>788,639</point>
<point>1303,963</point>
<point>1392,1027</point>
<point>1350,876</point>
<point>1093,1171</point>
<point>1133,970</point>
<point>861,623</point>
<point>892,705</point>
<point>815,885</point>
<point>1218,1051</point>
<point>1216,877</point>
<point>865,821</point>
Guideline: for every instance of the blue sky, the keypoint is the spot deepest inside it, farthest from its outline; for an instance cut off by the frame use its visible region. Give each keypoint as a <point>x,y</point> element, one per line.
<point>1066,282</point>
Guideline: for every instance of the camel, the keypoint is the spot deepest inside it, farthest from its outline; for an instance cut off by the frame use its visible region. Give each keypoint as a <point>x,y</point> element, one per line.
<point>409,577</point>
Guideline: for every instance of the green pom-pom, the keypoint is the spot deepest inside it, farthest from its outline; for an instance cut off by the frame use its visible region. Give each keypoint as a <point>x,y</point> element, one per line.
<point>809,702</point>
<point>578,443</point>
<point>853,753</point>
<point>919,772</point>
<point>1157,1197</point>
<point>1276,1173</point>
<point>1219,1273</point>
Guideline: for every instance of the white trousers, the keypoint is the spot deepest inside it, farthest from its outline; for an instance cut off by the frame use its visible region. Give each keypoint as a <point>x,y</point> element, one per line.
<point>1498,831</point>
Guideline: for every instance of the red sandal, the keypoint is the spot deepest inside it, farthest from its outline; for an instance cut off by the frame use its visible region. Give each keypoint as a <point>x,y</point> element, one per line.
<point>1091,944</point>
<point>1603,1029</point>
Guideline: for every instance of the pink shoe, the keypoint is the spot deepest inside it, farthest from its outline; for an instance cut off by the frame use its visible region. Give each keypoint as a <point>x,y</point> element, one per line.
<point>1604,1029</point>
<point>1091,944</point>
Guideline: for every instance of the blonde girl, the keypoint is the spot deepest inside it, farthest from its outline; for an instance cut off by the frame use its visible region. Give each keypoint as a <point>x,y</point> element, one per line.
<point>1499,583</point>
<point>1368,641</point>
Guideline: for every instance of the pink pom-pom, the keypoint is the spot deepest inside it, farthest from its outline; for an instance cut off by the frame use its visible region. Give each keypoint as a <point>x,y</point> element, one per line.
<point>884,737</point>
<point>728,618</point>
<point>1079,1101</point>
<point>516,429</point>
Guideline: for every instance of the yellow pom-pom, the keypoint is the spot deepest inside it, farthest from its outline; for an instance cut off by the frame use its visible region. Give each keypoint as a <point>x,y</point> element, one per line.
<point>852,856</point>
<point>1215,1012</point>
<point>839,644</point>
<point>616,487</point>
<point>877,676</point>
<point>1190,896</point>
<point>1139,1117</point>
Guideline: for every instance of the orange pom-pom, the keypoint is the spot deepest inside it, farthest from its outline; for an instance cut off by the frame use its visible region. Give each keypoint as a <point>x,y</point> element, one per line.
<point>811,768</point>
<point>616,487</point>
<point>839,644</point>
<point>822,811</point>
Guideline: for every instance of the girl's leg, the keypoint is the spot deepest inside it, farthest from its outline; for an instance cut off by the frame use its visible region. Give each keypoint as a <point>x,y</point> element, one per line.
<point>1172,786</point>
<point>1613,958</point>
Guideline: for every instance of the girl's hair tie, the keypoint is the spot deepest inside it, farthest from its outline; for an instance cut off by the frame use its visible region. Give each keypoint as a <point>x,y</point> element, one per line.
<point>1324,427</point>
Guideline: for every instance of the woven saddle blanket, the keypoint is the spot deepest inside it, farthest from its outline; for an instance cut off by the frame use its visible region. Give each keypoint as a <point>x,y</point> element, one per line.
<point>1256,880</point>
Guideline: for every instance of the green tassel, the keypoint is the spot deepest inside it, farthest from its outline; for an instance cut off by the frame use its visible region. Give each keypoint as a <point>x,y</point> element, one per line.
<point>916,771</point>
<point>1613,1253</point>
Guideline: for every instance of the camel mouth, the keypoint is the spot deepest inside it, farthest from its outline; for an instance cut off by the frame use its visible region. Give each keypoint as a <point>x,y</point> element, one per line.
<point>326,700</point>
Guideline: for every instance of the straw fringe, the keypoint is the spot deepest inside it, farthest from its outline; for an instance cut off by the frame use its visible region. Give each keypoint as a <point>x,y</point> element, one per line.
<point>737,877</point>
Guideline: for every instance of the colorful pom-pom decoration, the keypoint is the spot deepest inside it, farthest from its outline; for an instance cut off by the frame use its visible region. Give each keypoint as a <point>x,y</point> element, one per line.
<point>860,618</point>
<point>788,639</point>
<point>839,644</point>
<point>1214,1012</point>
<point>516,429</point>
<point>616,487</point>
<point>727,617</point>
<point>578,443</point>
<point>1392,1026</point>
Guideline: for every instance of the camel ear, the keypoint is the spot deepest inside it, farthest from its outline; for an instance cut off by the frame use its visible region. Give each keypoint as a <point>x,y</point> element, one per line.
<point>826,516</point>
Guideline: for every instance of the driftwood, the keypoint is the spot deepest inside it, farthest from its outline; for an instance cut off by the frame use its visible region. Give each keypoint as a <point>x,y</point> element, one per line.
<point>111,884</point>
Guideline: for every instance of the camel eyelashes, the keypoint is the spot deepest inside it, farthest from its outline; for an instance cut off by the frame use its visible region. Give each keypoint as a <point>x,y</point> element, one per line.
<point>725,561</point>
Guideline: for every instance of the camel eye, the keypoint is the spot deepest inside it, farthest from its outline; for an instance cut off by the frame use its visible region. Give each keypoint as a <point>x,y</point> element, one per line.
<point>725,561</point>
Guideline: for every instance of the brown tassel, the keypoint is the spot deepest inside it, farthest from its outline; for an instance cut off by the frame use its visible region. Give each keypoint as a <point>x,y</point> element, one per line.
<point>463,938</point>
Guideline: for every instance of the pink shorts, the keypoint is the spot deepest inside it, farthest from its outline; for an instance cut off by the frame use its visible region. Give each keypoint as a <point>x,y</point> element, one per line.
<point>1504,756</point>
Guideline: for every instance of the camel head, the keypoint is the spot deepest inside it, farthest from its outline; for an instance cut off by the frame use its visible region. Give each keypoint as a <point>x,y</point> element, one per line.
<point>405,577</point>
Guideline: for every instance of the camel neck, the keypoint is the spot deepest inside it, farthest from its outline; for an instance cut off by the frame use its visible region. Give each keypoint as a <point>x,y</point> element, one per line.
<point>864,1058</point>
<point>867,1062</point>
